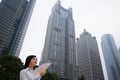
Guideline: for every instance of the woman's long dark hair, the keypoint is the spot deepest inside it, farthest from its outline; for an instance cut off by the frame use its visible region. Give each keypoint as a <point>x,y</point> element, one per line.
<point>28,59</point>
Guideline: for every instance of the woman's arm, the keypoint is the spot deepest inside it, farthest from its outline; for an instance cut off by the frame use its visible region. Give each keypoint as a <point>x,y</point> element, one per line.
<point>23,75</point>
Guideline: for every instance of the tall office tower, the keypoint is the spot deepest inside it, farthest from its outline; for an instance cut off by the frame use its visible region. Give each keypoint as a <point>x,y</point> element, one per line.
<point>59,48</point>
<point>14,19</point>
<point>88,57</point>
<point>111,57</point>
<point>119,50</point>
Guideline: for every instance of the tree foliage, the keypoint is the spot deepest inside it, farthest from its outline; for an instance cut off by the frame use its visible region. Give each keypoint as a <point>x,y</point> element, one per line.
<point>82,78</point>
<point>50,76</point>
<point>10,67</point>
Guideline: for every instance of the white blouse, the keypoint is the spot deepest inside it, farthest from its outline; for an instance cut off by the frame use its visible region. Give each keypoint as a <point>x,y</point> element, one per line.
<point>29,74</point>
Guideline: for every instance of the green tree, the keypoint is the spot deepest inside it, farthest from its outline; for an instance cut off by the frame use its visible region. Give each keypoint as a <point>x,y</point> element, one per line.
<point>50,76</point>
<point>10,67</point>
<point>82,78</point>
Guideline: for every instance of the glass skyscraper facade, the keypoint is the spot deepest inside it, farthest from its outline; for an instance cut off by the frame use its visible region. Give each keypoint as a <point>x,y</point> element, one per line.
<point>111,57</point>
<point>59,47</point>
<point>88,57</point>
<point>14,19</point>
<point>119,51</point>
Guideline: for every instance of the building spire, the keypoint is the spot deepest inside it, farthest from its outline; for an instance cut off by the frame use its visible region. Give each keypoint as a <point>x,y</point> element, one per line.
<point>58,2</point>
<point>84,30</point>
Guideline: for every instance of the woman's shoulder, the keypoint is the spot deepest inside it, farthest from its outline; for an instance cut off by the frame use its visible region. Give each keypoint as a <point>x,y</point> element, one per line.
<point>23,70</point>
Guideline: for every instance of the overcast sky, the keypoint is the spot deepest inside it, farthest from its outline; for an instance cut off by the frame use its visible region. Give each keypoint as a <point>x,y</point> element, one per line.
<point>97,16</point>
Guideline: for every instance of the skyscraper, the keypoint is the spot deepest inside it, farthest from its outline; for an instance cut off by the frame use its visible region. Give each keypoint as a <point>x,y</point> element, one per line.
<point>14,19</point>
<point>59,47</point>
<point>88,57</point>
<point>111,57</point>
<point>119,51</point>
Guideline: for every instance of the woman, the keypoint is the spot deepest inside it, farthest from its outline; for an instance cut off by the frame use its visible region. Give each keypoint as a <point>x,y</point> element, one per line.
<point>30,72</point>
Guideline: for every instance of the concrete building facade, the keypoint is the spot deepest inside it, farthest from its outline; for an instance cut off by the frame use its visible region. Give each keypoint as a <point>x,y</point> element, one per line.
<point>88,57</point>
